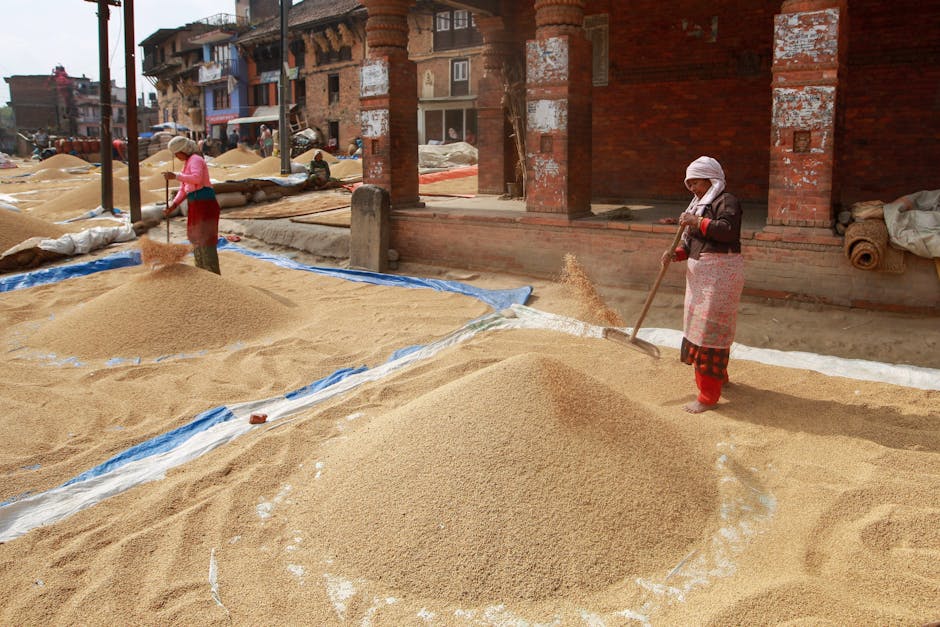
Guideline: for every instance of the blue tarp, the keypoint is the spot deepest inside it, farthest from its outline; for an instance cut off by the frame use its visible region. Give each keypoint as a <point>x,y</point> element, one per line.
<point>160,444</point>
<point>60,273</point>
<point>497,299</point>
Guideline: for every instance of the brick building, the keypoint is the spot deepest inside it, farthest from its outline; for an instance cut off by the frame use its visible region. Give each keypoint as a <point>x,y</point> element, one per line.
<point>66,106</point>
<point>47,101</point>
<point>810,105</point>
<point>447,49</point>
<point>326,45</point>
<point>171,61</point>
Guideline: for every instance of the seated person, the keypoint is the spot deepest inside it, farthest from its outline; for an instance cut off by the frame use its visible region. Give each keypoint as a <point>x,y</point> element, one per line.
<point>318,172</point>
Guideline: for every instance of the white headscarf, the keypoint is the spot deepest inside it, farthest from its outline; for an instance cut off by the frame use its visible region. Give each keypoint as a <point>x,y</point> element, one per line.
<point>181,144</point>
<point>705,168</point>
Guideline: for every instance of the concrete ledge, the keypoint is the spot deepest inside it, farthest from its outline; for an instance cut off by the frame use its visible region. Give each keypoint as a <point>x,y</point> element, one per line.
<point>324,241</point>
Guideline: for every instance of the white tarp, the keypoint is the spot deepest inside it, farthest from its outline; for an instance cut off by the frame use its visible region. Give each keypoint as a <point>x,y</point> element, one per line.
<point>913,223</point>
<point>79,243</point>
<point>447,155</point>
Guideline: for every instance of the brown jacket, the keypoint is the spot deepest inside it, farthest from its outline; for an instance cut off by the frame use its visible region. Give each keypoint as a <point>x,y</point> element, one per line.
<point>720,231</point>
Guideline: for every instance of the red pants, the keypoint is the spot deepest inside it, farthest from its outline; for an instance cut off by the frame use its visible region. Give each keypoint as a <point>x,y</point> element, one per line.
<point>709,388</point>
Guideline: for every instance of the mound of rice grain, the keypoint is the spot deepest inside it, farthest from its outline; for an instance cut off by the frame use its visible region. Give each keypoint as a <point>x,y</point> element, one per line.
<point>55,174</point>
<point>524,480</point>
<point>269,166</point>
<point>307,157</point>
<point>87,196</point>
<point>174,309</point>
<point>61,161</point>
<point>236,156</point>
<point>158,158</point>
<point>16,228</point>
<point>346,168</point>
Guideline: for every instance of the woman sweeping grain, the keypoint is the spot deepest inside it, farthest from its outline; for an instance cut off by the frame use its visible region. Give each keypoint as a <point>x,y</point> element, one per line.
<point>202,220</point>
<point>714,278</point>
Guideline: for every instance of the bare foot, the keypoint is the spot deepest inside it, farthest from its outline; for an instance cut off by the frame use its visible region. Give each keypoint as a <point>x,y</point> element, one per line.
<point>696,408</point>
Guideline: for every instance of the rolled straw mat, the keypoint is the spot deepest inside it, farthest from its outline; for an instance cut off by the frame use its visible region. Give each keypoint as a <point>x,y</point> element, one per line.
<point>865,243</point>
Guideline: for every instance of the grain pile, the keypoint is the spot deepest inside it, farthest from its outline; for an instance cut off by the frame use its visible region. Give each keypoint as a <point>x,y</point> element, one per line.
<point>56,174</point>
<point>269,166</point>
<point>61,161</point>
<point>525,480</point>
<point>159,158</point>
<point>236,156</point>
<point>346,168</point>
<point>87,196</point>
<point>592,306</point>
<point>16,228</point>
<point>307,157</point>
<point>174,309</point>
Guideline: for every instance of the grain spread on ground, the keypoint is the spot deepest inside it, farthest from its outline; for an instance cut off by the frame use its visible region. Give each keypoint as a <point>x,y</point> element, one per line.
<point>526,480</point>
<point>827,486</point>
<point>16,228</point>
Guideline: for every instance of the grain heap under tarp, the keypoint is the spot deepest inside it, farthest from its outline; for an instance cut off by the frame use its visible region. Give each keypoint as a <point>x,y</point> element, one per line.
<point>173,309</point>
<point>525,480</point>
<point>16,228</point>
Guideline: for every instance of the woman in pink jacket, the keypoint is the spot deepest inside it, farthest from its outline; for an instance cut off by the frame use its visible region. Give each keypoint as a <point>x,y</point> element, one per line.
<point>202,219</point>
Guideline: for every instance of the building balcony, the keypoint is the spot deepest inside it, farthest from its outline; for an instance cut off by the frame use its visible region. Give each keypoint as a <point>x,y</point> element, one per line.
<point>213,71</point>
<point>153,66</point>
<point>225,20</point>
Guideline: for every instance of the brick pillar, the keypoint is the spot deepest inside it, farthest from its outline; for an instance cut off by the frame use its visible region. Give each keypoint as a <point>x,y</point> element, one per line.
<point>558,110</point>
<point>809,58</point>
<point>388,99</point>
<point>496,165</point>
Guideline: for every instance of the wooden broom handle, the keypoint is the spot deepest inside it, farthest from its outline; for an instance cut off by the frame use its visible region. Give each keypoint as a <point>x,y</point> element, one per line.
<point>659,279</point>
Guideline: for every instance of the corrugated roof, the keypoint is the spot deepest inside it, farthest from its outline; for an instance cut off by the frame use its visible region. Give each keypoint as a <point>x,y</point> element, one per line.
<point>305,13</point>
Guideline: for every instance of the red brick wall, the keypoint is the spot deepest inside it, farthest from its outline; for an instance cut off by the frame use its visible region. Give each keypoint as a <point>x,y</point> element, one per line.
<point>675,94</point>
<point>35,103</point>
<point>891,100</point>
<point>346,111</point>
